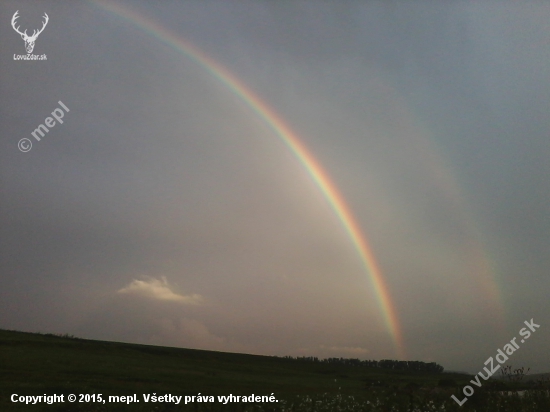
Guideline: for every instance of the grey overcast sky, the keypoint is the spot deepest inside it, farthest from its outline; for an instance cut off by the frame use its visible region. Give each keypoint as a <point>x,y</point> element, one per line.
<point>164,210</point>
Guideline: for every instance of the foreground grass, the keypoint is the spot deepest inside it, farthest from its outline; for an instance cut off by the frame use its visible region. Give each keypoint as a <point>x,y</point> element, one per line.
<point>34,364</point>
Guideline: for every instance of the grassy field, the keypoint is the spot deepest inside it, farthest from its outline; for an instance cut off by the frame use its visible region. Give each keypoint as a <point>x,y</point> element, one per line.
<point>35,364</point>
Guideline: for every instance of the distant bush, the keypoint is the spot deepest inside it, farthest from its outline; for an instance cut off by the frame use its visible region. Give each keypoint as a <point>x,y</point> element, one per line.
<point>62,335</point>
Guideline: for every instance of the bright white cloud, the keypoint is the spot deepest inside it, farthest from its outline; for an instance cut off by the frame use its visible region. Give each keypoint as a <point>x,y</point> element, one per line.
<point>159,289</point>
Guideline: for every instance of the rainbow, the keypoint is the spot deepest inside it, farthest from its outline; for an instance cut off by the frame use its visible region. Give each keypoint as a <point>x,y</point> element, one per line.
<point>291,140</point>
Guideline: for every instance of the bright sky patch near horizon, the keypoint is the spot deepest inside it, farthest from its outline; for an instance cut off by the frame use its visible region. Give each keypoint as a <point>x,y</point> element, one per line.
<point>165,211</point>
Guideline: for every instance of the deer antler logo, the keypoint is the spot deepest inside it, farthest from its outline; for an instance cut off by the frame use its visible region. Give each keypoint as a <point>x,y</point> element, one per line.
<point>29,40</point>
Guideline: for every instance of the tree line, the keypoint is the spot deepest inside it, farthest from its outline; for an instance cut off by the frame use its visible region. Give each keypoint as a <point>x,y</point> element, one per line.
<point>412,366</point>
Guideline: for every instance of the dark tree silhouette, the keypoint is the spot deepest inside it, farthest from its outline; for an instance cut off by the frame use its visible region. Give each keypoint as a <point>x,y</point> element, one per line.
<point>413,366</point>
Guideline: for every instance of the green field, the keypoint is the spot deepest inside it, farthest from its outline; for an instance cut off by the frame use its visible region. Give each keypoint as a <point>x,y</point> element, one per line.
<point>36,364</point>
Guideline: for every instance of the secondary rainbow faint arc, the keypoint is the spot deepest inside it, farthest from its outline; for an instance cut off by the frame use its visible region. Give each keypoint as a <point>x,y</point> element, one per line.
<point>312,166</point>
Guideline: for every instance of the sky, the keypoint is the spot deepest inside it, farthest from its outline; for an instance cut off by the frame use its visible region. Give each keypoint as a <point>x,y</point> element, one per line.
<point>336,179</point>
